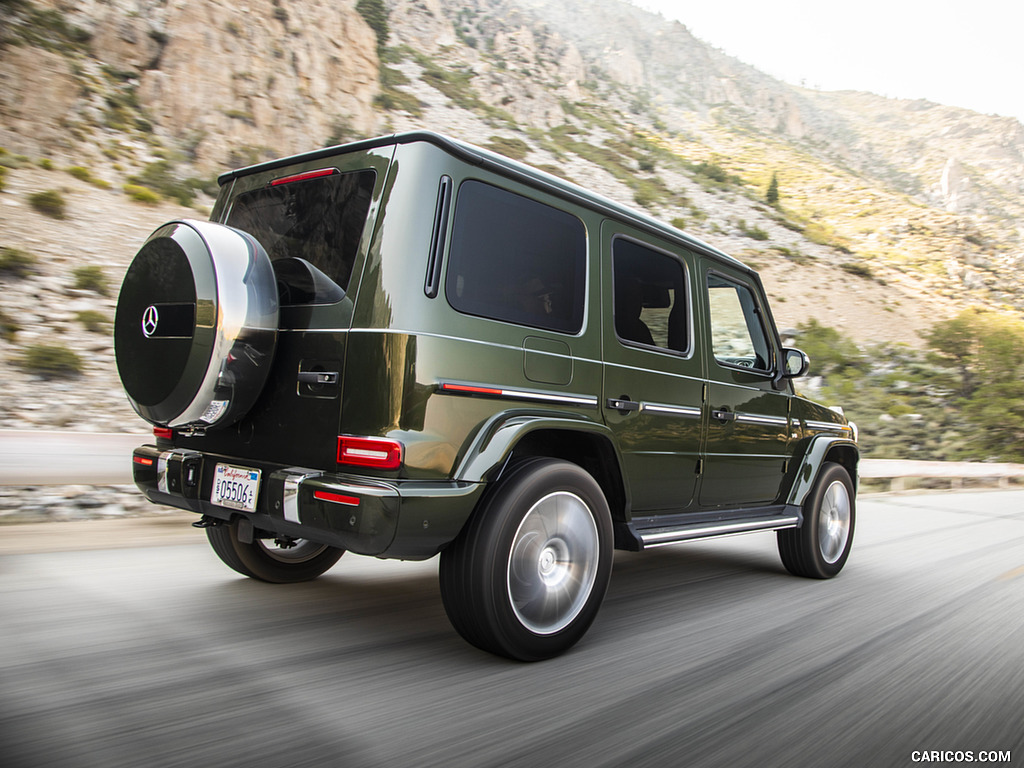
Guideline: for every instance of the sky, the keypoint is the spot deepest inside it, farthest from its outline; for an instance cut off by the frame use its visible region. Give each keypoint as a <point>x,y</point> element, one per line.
<point>965,54</point>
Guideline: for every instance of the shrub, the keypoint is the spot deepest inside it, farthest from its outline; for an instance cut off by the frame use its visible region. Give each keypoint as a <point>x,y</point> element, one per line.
<point>517,149</point>
<point>160,176</point>
<point>83,174</point>
<point>49,203</point>
<point>3,178</point>
<point>93,320</point>
<point>375,13</point>
<point>754,233</point>
<point>50,361</point>
<point>8,327</point>
<point>15,262</point>
<point>91,278</point>
<point>141,194</point>
<point>860,270</point>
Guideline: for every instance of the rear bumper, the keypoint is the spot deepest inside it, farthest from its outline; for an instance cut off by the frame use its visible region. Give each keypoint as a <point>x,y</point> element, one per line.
<point>398,519</point>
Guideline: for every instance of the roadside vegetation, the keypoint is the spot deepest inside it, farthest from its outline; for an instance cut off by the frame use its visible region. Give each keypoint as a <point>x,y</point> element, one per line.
<point>961,399</point>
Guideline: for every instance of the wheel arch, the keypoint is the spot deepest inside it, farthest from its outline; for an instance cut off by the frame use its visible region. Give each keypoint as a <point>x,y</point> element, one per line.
<point>821,450</point>
<point>514,438</point>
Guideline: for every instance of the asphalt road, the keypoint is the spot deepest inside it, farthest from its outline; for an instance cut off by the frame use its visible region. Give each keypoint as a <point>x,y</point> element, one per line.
<point>704,654</point>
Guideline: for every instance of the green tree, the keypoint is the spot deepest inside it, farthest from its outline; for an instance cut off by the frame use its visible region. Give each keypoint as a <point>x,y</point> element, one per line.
<point>772,195</point>
<point>986,352</point>
<point>830,352</point>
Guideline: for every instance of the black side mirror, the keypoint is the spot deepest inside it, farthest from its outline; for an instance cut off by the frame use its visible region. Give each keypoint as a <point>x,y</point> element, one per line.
<point>794,363</point>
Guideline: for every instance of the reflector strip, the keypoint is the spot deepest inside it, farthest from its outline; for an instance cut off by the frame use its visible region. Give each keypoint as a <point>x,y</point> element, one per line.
<point>304,176</point>
<point>472,390</point>
<point>143,461</point>
<point>336,498</point>
<point>519,394</point>
<point>369,452</point>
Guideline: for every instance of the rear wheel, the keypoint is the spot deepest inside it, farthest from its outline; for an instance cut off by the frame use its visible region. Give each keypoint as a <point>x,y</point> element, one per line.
<point>527,575</point>
<point>819,548</point>
<point>279,561</point>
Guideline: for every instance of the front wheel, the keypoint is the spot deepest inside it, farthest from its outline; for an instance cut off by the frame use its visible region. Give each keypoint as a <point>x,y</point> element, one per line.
<point>527,575</point>
<point>819,548</point>
<point>269,559</point>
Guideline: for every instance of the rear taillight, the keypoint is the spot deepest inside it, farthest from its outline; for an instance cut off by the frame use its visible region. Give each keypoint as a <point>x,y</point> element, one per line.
<point>163,433</point>
<point>369,452</point>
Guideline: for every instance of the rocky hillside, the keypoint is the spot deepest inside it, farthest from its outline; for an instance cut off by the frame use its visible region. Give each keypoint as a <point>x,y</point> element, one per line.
<point>890,215</point>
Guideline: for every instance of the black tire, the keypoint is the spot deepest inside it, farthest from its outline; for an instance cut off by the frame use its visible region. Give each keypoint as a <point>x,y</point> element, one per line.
<point>262,559</point>
<point>819,548</point>
<point>527,575</point>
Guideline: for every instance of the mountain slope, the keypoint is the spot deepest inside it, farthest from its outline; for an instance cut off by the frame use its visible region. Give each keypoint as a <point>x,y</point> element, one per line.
<point>892,214</point>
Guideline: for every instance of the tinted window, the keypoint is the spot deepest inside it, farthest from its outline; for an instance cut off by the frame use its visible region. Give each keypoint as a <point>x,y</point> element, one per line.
<point>319,220</point>
<point>650,297</point>
<point>516,260</point>
<point>737,335</point>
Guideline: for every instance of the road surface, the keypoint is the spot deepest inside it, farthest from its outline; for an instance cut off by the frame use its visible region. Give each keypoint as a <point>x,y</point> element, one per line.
<point>704,654</point>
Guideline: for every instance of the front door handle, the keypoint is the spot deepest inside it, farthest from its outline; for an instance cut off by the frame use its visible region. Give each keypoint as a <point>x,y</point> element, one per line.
<point>723,414</point>
<point>623,404</point>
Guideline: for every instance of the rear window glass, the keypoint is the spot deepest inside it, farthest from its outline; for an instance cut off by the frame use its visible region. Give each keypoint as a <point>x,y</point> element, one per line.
<point>516,260</point>
<point>319,220</point>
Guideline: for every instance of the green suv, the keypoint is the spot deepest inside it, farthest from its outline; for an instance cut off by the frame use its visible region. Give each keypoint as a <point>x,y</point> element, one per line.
<point>410,346</point>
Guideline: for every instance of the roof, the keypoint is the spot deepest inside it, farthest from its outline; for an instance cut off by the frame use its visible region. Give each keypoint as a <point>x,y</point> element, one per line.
<point>504,166</point>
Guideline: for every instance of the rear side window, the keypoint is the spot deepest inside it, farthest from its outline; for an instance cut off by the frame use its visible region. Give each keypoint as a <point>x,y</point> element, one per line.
<point>651,306</point>
<point>516,260</point>
<point>318,220</point>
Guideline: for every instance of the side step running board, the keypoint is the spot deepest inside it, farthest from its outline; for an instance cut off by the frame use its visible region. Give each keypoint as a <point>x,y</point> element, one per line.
<point>656,537</point>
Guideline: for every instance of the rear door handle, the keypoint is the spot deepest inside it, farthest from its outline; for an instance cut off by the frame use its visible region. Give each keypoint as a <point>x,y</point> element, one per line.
<point>623,404</point>
<point>318,377</point>
<point>723,414</point>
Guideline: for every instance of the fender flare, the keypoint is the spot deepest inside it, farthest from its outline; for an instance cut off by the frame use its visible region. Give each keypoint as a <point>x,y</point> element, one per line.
<point>495,442</point>
<point>820,449</point>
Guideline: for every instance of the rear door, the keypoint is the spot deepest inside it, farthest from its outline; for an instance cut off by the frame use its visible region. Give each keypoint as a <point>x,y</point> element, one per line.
<point>748,436</point>
<point>652,396</point>
<point>315,220</point>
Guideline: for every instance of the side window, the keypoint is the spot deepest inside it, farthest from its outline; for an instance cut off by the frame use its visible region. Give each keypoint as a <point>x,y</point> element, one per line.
<point>516,260</point>
<point>737,334</point>
<point>650,303</point>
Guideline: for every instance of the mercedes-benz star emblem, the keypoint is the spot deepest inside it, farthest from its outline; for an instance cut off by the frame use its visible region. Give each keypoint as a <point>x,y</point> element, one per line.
<point>150,320</point>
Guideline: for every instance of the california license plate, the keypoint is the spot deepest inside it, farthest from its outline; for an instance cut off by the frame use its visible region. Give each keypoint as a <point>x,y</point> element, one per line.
<point>235,487</point>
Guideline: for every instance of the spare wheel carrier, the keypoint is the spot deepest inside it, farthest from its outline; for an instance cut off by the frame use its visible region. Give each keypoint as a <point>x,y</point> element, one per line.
<point>196,325</point>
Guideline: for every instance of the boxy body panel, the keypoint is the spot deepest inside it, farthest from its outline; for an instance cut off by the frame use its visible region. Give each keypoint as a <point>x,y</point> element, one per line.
<point>482,321</point>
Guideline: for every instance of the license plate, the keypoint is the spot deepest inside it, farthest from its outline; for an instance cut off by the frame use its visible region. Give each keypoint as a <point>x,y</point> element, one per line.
<point>235,487</point>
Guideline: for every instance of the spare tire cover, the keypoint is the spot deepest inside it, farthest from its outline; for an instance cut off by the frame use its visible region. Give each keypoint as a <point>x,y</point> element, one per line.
<point>196,325</point>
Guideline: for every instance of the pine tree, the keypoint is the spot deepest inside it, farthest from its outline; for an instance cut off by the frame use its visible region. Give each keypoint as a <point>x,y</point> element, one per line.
<point>772,195</point>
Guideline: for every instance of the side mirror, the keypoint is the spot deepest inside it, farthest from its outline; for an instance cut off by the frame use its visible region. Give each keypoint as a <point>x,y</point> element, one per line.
<point>794,363</point>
